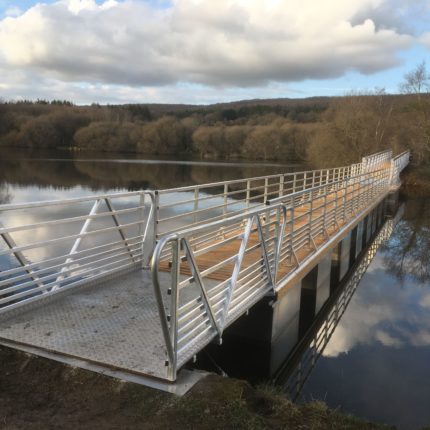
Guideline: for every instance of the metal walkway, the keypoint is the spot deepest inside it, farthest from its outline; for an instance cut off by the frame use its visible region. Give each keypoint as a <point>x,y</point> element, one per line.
<point>115,324</point>
<point>74,278</point>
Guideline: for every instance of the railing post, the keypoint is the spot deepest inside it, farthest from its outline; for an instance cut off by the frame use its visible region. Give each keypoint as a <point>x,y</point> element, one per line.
<point>281,185</point>
<point>336,205</point>
<point>392,178</point>
<point>356,195</point>
<point>196,203</point>
<point>345,189</point>
<point>266,184</point>
<point>325,213</point>
<point>248,192</point>
<point>142,227</point>
<point>291,243</point>
<point>277,244</point>
<point>174,302</point>
<point>225,199</point>
<point>311,206</point>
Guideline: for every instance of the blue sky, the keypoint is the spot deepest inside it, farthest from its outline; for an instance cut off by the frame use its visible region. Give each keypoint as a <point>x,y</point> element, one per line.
<point>205,51</point>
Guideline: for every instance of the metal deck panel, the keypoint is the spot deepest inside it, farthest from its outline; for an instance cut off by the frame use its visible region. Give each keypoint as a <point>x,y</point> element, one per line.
<point>115,324</point>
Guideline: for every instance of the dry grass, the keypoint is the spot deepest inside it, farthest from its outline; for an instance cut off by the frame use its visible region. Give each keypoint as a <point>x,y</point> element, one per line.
<point>36,393</point>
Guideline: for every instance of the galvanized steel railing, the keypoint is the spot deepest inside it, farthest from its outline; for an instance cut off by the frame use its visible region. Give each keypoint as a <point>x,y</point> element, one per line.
<point>221,268</point>
<point>45,248</point>
<point>194,205</point>
<point>397,165</point>
<point>197,204</point>
<point>376,161</point>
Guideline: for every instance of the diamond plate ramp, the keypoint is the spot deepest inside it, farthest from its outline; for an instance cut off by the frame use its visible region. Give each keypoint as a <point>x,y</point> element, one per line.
<point>115,324</point>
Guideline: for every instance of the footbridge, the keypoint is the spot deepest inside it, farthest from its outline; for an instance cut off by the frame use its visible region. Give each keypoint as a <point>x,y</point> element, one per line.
<point>140,282</point>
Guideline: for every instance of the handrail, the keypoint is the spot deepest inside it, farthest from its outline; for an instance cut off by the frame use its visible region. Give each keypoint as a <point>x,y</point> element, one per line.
<point>402,154</point>
<point>19,206</point>
<point>57,250</point>
<point>252,178</point>
<point>204,202</point>
<point>262,209</point>
<point>171,354</point>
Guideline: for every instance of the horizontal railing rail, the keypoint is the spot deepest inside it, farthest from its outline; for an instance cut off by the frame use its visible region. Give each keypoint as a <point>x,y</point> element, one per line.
<point>197,204</point>
<point>377,160</point>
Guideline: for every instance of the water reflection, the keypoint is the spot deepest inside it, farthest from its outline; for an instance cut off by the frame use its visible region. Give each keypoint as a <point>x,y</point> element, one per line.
<point>375,364</point>
<point>53,170</point>
<point>5,196</point>
<point>300,363</point>
<point>408,254</point>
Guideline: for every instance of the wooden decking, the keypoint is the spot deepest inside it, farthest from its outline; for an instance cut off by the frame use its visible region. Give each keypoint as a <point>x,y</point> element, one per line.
<point>226,244</point>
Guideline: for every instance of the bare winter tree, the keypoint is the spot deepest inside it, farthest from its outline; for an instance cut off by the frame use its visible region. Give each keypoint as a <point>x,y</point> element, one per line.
<point>417,84</point>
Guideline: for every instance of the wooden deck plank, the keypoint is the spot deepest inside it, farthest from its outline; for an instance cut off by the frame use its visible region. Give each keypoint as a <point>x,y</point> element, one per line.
<point>224,251</point>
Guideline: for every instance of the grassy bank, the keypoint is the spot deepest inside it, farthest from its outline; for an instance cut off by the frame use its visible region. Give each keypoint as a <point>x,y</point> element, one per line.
<point>36,393</point>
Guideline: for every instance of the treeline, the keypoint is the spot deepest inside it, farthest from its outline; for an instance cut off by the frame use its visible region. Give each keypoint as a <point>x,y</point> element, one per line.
<point>322,131</point>
<point>254,132</point>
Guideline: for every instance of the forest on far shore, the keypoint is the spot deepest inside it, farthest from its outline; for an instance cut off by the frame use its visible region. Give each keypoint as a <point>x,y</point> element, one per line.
<point>323,131</point>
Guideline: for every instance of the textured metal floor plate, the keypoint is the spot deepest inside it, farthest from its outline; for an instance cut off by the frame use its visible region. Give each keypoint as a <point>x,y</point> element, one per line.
<point>115,324</point>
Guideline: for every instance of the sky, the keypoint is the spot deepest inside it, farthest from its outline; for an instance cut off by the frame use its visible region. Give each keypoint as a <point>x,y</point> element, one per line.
<point>207,51</point>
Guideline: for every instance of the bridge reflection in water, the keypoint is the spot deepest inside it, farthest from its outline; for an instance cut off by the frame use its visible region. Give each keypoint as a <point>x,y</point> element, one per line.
<point>300,363</point>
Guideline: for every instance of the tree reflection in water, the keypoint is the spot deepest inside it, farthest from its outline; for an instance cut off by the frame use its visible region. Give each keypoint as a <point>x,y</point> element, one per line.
<point>407,255</point>
<point>5,196</point>
<point>100,172</point>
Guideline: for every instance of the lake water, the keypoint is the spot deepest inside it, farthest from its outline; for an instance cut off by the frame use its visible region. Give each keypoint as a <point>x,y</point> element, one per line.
<point>377,362</point>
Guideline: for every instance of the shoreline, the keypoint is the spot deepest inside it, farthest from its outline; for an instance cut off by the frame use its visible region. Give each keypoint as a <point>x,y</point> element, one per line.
<point>38,393</point>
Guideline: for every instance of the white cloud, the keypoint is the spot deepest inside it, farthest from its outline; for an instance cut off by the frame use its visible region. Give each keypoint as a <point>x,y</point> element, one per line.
<point>425,301</point>
<point>383,311</point>
<point>13,11</point>
<point>387,340</point>
<point>425,39</point>
<point>224,43</point>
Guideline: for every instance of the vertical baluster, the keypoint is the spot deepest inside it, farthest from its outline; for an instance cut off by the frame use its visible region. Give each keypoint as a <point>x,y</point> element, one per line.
<point>266,184</point>
<point>196,203</point>
<point>291,239</point>
<point>225,199</point>
<point>281,185</point>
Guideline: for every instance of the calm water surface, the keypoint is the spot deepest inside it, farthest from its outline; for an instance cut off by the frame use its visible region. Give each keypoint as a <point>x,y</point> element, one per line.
<point>377,363</point>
